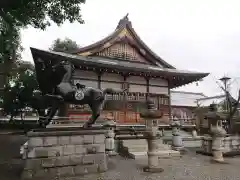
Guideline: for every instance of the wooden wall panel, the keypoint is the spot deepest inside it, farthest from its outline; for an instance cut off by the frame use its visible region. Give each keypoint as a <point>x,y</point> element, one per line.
<point>85,74</point>
<point>158,90</point>
<point>117,86</point>
<point>88,83</point>
<point>137,88</point>
<point>158,82</point>
<point>136,79</point>
<point>112,77</point>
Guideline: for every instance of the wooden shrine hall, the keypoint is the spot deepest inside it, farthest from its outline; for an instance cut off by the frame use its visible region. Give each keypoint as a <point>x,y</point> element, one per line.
<point>122,60</point>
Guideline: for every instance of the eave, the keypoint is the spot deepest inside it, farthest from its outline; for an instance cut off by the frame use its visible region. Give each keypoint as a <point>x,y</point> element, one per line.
<point>175,77</point>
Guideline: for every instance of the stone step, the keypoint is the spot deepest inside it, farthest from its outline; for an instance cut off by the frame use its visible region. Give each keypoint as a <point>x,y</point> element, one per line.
<point>193,143</point>
<point>138,149</point>
<point>168,133</point>
<point>134,142</point>
<point>138,155</point>
<point>164,147</point>
<point>161,154</point>
<point>145,149</point>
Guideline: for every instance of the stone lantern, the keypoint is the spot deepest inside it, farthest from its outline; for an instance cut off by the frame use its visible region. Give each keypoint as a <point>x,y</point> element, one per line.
<point>110,126</point>
<point>217,133</point>
<point>177,143</point>
<point>151,116</point>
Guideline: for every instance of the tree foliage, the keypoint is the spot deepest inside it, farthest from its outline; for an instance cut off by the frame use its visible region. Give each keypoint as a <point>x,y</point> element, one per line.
<point>37,13</point>
<point>15,15</point>
<point>10,48</point>
<point>66,45</point>
<point>19,89</point>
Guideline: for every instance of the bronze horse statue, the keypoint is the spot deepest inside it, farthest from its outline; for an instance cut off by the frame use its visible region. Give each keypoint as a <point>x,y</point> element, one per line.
<point>59,90</point>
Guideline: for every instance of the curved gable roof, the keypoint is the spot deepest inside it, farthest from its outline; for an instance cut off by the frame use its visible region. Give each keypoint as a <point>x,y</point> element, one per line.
<point>123,27</point>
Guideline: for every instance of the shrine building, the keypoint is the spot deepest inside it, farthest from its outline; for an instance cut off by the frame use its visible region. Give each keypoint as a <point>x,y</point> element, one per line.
<point>122,60</point>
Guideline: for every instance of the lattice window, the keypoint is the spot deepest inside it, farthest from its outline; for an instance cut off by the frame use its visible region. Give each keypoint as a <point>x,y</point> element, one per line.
<point>121,51</point>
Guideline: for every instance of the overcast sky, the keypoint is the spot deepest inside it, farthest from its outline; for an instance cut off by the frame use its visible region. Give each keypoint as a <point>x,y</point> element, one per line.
<point>201,35</point>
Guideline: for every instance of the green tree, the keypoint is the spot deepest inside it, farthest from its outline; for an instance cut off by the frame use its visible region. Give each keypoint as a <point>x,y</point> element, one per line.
<point>37,13</point>
<point>18,92</point>
<point>66,45</point>
<point>15,15</point>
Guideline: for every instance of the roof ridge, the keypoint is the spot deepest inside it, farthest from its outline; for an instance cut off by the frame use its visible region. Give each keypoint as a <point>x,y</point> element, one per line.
<point>211,97</point>
<point>126,23</point>
<point>188,92</point>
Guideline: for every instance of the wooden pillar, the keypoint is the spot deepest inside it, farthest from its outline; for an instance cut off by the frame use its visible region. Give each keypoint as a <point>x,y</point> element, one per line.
<point>99,74</point>
<point>169,100</point>
<point>63,110</point>
<point>147,80</point>
<point>125,98</point>
<point>148,84</point>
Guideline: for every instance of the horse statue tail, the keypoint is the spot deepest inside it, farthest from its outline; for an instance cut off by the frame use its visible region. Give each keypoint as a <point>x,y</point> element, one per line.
<point>112,91</point>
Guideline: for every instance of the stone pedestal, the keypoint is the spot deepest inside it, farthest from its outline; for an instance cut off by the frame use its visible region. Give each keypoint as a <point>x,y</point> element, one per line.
<point>218,134</point>
<point>66,152</point>
<point>194,133</point>
<point>153,152</point>
<point>151,117</point>
<point>110,126</point>
<point>177,142</point>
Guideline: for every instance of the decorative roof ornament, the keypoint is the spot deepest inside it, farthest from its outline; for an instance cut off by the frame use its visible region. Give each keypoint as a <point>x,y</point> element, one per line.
<point>124,21</point>
<point>126,17</point>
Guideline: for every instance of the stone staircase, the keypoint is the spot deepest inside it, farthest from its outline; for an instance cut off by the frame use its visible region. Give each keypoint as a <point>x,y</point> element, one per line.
<point>188,140</point>
<point>138,149</point>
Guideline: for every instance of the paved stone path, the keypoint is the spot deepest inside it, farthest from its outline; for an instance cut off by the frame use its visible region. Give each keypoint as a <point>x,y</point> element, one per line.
<point>189,167</point>
<point>11,164</point>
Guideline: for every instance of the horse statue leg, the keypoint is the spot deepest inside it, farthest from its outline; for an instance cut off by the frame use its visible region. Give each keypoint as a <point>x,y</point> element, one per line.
<point>51,113</point>
<point>42,117</point>
<point>96,107</point>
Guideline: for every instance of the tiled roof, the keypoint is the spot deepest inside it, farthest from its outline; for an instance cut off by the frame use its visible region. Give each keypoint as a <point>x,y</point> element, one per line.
<point>182,98</point>
<point>178,77</point>
<point>124,23</point>
<point>209,100</point>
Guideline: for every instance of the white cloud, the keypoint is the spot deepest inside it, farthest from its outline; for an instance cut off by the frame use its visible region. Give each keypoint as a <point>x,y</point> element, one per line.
<point>200,35</point>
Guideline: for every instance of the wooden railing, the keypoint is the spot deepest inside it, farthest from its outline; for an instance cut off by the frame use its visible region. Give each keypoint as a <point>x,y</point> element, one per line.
<point>140,98</point>
<point>126,107</point>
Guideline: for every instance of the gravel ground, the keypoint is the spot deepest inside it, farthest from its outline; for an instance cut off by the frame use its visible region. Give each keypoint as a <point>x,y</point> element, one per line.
<point>189,167</point>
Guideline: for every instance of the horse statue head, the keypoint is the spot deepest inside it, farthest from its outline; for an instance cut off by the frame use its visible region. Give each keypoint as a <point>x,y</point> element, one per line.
<point>49,75</point>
